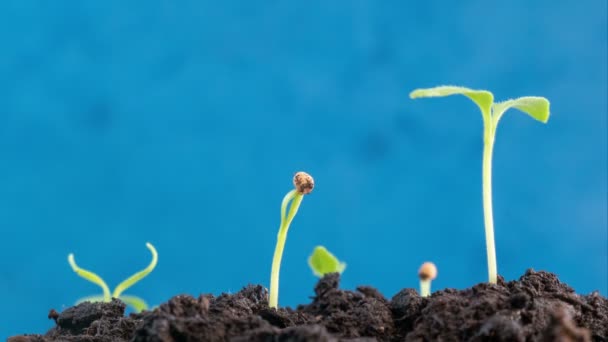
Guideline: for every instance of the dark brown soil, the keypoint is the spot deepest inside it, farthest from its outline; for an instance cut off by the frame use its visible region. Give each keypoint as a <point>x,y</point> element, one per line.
<point>537,307</point>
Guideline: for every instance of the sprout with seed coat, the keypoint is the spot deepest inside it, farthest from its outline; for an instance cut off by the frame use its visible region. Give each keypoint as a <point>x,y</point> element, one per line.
<point>303,184</point>
<point>426,273</point>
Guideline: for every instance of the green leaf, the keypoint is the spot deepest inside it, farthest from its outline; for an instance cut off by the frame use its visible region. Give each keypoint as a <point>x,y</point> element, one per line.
<point>536,107</point>
<point>322,262</point>
<point>483,98</point>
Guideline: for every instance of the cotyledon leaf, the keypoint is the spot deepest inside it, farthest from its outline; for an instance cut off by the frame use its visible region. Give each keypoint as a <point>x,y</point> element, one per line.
<point>322,262</point>
<point>535,106</point>
<point>483,98</point>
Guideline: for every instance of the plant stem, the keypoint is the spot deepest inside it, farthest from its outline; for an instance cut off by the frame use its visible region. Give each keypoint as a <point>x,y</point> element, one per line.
<point>139,275</point>
<point>425,288</point>
<point>296,199</point>
<point>488,147</point>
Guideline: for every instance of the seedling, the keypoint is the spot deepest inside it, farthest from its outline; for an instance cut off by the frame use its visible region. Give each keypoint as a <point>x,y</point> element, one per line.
<point>304,184</point>
<point>426,273</point>
<point>322,262</point>
<point>536,107</point>
<point>137,303</point>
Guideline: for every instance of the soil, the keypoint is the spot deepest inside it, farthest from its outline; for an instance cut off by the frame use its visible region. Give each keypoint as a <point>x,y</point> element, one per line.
<point>537,307</point>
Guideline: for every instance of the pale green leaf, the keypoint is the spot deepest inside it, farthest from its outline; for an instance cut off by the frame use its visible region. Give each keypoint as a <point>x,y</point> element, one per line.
<point>483,98</point>
<point>323,262</point>
<point>136,303</point>
<point>534,106</point>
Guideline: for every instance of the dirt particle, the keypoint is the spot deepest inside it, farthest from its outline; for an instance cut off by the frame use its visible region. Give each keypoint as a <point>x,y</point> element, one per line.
<point>53,315</point>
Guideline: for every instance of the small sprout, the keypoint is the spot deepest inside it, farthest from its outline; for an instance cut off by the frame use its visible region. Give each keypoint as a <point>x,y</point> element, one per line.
<point>322,262</point>
<point>426,273</point>
<point>303,184</point>
<point>491,112</point>
<point>137,303</point>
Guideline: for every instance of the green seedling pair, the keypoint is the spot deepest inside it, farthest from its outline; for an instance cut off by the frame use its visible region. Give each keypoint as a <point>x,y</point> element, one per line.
<point>137,303</point>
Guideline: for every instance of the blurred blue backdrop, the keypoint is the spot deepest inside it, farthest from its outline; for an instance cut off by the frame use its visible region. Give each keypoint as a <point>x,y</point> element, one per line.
<point>182,123</point>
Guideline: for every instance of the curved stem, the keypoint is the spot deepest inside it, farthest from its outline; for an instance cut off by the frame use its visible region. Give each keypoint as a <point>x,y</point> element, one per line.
<point>489,132</point>
<point>139,275</point>
<point>295,198</point>
<point>90,276</point>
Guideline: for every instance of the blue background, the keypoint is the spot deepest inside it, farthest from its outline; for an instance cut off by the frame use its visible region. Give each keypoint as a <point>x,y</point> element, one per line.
<point>182,123</point>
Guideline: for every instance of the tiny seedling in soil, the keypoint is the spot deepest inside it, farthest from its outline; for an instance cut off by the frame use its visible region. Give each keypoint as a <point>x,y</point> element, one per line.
<point>322,262</point>
<point>426,273</point>
<point>137,303</point>
<point>303,184</point>
<point>537,307</point>
<point>491,112</point>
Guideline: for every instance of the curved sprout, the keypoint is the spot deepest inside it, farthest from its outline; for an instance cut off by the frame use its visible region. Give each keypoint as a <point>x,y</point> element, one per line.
<point>303,184</point>
<point>288,197</point>
<point>90,276</point>
<point>139,275</point>
<point>137,303</point>
<point>295,198</point>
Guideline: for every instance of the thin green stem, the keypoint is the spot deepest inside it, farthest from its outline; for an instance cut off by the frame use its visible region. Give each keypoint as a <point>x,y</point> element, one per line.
<point>425,288</point>
<point>295,198</point>
<point>488,147</point>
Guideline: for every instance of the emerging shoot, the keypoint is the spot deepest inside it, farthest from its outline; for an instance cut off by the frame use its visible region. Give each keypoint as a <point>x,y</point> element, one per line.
<point>322,262</point>
<point>303,184</point>
<point>137,303</point>
<point>491,112</point>
<point>426,273</point>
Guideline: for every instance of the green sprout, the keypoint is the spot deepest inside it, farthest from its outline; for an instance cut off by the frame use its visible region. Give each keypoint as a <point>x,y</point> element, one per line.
<point>137,303</point>
<point>536,107</point>
<point>304,184</point>
<point>322,262</point>
<point>426,273</point>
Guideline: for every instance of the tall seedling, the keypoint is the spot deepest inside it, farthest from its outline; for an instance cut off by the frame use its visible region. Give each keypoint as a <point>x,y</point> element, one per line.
<point>535,107</point>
